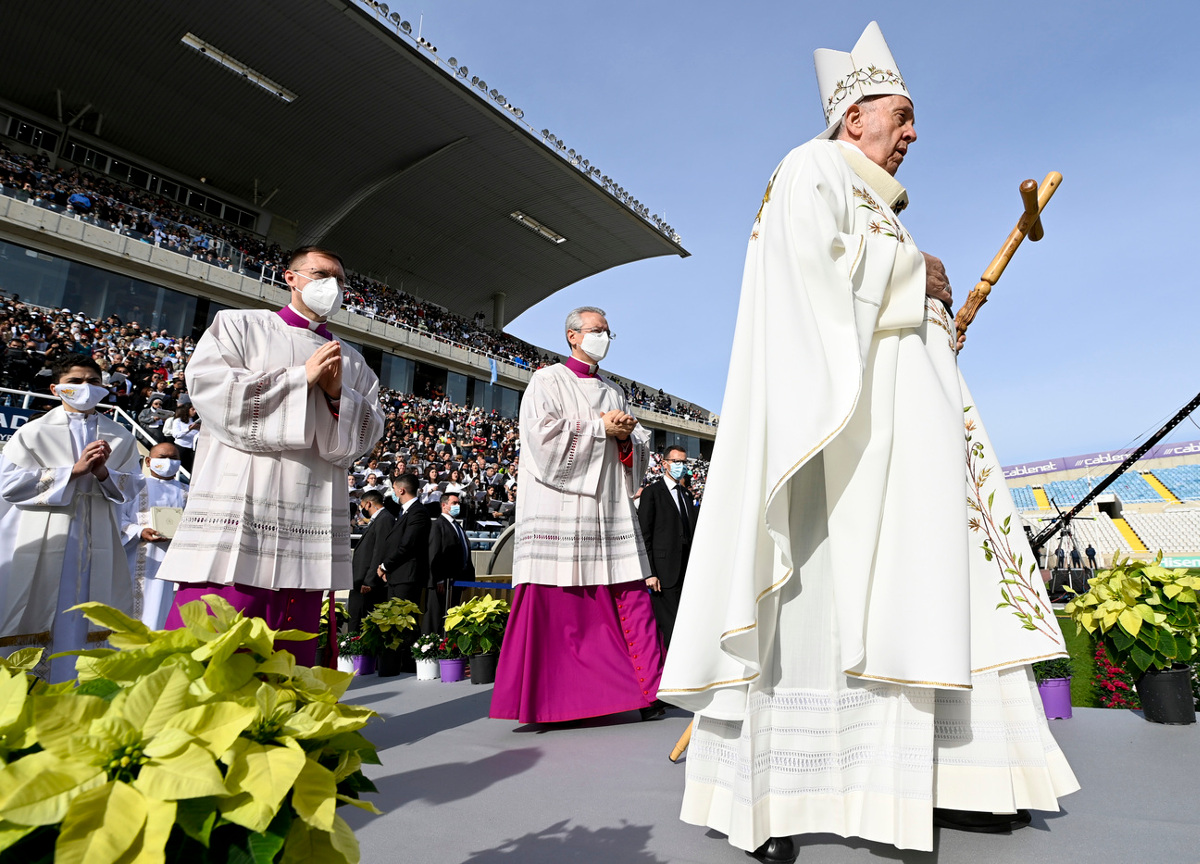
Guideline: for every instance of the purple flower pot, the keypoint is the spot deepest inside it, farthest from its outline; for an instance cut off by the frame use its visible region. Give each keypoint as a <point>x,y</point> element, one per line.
<point>1056,698</point>
<point>363,664</point>
<point>453,670</point>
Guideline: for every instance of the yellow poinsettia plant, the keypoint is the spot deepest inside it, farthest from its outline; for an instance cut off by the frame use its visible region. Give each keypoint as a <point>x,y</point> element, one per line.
<point>384,626</point>
<point>1146,615</point>
<point>202,744</point>
<point>477,625</point>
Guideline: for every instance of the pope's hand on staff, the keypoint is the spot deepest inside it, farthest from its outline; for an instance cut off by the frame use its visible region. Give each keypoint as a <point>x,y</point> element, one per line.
<point>937,285</point>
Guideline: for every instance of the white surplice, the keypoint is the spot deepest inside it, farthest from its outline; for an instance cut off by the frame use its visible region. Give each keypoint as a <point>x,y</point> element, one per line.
<point>575,519</point>
<point>60,542</point>
<point>268,500</point>
<point>838,634</point>
<point>151,596</point>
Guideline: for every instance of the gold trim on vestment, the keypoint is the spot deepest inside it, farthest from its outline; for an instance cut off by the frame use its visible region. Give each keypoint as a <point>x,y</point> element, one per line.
<point>761,595</point>
<point>906,681</point>
<point>708,686</point>
<point>1021,662</point>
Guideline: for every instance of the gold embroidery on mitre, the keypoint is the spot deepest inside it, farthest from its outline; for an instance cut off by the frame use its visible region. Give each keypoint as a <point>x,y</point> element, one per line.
<point>867,75</point>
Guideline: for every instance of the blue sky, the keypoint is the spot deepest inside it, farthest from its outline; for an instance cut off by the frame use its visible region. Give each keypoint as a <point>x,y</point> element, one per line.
<point>1087,342</point>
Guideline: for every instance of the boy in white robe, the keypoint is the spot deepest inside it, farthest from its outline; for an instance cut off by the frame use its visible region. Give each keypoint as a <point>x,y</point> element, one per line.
<point>145,547</point>
<point>63,478</point>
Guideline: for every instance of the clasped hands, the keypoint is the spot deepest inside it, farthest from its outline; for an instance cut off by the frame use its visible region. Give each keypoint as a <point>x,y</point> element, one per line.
<point>324,369</point>
<point>92,461</point>
<point>618,424</point>
<point>937,286</point>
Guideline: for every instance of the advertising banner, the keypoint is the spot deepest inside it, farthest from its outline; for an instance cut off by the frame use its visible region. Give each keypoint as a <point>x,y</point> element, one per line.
<point>12,419</point>
<point>1103,459</point>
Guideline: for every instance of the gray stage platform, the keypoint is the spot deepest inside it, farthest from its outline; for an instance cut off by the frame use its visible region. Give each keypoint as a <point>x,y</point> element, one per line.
<point>458,788</point>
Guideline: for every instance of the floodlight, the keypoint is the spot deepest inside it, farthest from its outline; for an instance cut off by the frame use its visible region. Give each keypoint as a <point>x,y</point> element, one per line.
<point>406,27</point>
<point>463,72</point>
<point>383,8</point>
<point>537,227</point>
<point>453,61</point>
<point>395,17</point>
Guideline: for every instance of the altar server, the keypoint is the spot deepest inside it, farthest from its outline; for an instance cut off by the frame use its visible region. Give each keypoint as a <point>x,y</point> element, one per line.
<point>581,639</point>
<point>145,545</point>
<point>861,605</point>
<point>63,479</point>
<point>287,409</point>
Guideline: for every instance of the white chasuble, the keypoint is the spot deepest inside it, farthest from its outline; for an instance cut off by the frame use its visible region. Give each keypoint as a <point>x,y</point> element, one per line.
<point>836,594</point>
<point>575,519</point>
<point>151,596</point>
<point>268,500</point>
<point>60,541</point>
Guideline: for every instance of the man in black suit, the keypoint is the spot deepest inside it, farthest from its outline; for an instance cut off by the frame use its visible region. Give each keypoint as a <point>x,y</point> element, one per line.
<point>368,588</point>
<point>667,515</point>
<point>449,562</point>
<point>405,564</point>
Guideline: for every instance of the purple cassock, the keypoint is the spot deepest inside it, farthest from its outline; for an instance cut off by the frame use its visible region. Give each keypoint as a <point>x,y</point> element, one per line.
<point>579,651</point>
<point>281,608</point>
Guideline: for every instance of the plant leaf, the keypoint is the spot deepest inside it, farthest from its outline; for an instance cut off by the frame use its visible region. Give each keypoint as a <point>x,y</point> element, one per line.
<point>191,774</point>
<point>314,795</point>
<point>101,825</point>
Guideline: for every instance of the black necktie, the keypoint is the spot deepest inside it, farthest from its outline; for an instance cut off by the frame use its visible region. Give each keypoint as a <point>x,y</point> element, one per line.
<point>466,547</point>
<point>683,512</point>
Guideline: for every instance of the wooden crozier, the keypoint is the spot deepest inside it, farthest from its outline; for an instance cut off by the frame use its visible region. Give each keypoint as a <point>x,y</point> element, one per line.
<point>1034,198</point>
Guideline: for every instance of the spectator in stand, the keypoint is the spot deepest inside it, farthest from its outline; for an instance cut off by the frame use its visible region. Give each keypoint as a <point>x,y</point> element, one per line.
<point>183,428</point>
<point>153,417</point>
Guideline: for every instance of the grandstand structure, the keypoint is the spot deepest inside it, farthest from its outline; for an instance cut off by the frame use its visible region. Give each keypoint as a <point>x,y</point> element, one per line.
<point>433,187</point>
<point>1152,507</point>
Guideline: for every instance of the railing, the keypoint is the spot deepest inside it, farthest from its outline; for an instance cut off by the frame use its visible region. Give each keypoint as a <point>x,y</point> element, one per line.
<point>273,276</point>
<point>119,414</point>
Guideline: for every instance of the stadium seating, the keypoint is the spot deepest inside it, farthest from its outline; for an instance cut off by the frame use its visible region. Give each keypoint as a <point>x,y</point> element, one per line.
<point>1023,498</point>
<point>1183,481</point>
<point>1172,531</point>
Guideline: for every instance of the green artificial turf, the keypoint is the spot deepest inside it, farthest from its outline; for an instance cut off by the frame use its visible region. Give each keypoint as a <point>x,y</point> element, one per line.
<point>1082,651</point>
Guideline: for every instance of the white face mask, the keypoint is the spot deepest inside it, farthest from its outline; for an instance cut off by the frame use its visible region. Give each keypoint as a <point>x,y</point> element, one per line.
<point>165,467</point>
<point>595,345</point>
<point>81,397</point>
<point>322,296</point>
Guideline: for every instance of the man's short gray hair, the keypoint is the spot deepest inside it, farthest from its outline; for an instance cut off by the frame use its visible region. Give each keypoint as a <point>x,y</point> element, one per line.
<point>575,316</point>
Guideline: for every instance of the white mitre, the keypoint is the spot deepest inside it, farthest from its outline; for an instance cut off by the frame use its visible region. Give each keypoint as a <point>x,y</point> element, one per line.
<point>846,77</point>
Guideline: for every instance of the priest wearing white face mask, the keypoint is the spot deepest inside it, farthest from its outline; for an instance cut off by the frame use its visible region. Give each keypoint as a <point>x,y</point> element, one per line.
<point>287,409</point>
<point>842,635</point>
<point>145,547</point>
<point>581,639</point>
<point>63,478</point>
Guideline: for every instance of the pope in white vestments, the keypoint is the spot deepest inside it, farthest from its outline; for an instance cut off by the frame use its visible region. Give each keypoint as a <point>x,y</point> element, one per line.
<point>861,604</point>
<point>581,640</point>
<point>145,546</point>
<point>60,542</point>
<point>285,411</point>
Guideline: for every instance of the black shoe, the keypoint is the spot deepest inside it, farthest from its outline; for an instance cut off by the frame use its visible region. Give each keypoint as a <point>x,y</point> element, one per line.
<point>654,710</point>
<point>777,850</point>
<point>980,823</point>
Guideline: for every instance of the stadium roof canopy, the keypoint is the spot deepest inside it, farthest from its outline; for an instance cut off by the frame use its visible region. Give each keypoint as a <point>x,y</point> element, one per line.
<point>382,154</point>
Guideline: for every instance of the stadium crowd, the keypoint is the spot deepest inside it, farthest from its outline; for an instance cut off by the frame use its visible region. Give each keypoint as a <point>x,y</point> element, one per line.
<point>472,450</point>
<point>109,204</point>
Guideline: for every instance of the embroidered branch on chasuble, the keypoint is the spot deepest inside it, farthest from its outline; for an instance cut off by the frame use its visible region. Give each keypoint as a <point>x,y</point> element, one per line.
<point>1017,587</point>
<point>885,225</point>
<point>766,200</point>
<point>939,317</point>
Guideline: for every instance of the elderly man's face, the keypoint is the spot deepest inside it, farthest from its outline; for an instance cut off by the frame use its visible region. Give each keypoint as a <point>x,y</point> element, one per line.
<point>591,322</point>
<point>883,128</point>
